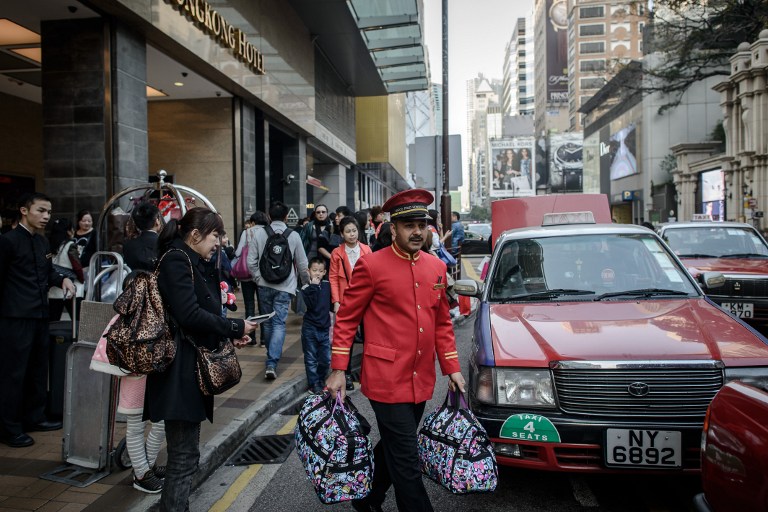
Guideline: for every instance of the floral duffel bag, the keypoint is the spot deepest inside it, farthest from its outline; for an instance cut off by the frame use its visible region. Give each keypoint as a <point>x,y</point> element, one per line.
<point>334,448</point>
<point>454,449</point>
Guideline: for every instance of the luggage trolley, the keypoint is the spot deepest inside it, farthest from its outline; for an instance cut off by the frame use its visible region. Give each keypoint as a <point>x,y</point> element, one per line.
<point>88,440</point>
<point>88,437</point>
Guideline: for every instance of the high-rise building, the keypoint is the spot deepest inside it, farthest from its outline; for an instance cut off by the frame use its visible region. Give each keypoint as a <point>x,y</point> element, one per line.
<point>483,96</point>
<point>603,37</point>
<point>550,23</point>
<point>517,97</point>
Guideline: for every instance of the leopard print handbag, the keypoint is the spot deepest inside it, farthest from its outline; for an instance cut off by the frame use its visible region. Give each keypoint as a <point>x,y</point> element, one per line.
<point>217,370</point>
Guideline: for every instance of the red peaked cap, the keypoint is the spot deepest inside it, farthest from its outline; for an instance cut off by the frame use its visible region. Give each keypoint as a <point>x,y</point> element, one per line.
<point>409,205</point>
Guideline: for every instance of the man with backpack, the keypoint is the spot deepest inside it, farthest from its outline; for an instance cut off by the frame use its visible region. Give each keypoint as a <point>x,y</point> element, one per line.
<point>275,257</point>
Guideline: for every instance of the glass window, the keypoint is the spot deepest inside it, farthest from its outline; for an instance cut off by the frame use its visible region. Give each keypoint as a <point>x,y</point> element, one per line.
<point>592,12</point>
<point>592,30</point>
<point>592,83</point>
<point>592,65</point>
<point>716,242</point>
<point>580,267</point>
<point>596,47</point>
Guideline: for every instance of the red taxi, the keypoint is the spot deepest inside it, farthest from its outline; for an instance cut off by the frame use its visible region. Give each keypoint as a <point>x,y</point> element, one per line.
<point>734,458</point>
<point>735,249</point>
<point>594,349</point>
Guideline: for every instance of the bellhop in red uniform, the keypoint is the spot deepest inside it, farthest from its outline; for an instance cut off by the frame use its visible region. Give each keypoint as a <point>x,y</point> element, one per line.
<point>401,300</point>
<point>399,294</point>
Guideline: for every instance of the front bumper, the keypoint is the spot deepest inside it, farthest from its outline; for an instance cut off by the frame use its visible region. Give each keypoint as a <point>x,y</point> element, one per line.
<point>582,442</point>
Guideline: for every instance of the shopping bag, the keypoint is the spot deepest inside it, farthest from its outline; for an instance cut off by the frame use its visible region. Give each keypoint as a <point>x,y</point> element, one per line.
<point>333,445</point>
<point>454,449</point>
<point>240,266</point>
<point>446,256</point>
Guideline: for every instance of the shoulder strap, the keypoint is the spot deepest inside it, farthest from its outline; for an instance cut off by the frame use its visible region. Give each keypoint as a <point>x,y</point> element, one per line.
<point>269,231</point>
<point>191,270</point>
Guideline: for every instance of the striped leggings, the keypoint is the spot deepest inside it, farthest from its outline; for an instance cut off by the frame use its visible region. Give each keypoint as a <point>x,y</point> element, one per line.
<point>142,455</point>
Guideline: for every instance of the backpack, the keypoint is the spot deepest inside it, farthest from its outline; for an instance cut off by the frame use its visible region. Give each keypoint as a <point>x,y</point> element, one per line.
<point>333,445</point>
<point>276,262</point>
<point>141,340</point>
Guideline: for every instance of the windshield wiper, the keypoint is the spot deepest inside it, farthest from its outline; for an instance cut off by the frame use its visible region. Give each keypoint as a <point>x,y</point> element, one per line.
<point>555,292</point>
<point>745,255</point>
<point>643,292</point>
<point>695,255</point>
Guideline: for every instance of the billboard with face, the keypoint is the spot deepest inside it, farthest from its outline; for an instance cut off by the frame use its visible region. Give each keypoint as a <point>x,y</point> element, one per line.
<point>565,162</point>
<point>512,167</point>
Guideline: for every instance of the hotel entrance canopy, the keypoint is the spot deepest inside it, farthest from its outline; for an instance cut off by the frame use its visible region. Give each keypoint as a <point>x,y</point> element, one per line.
<point>376,46</point>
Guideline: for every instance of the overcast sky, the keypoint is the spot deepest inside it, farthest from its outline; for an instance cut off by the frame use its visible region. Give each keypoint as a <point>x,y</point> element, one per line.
<point>478,31</point>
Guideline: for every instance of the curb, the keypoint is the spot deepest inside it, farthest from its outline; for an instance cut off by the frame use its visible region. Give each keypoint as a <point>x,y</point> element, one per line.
<point>219,448</point>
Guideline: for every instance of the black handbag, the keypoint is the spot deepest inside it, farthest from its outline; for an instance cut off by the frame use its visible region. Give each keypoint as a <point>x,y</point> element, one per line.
<point>217,370</point>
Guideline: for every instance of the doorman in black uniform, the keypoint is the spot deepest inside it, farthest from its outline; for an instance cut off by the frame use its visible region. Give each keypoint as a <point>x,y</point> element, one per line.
<point>26,274</point>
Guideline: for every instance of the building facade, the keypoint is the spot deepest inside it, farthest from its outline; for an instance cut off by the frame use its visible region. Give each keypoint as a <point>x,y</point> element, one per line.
<point>517,98</point>
<point>603,36</point>
<point>245,103</point>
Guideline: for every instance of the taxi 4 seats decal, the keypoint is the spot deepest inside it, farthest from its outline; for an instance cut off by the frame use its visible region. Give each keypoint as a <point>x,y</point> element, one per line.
<point>529,427</point>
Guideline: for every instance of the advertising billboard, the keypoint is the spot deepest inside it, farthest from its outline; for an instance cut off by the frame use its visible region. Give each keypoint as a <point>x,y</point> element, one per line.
<point>621,147</point>
<point>713,194</point>
<point>566,162</point>
<point>512,165</point>
<point>557,51</point>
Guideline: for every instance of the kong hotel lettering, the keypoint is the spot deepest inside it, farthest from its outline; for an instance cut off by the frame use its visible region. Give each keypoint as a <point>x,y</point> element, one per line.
<point>217,28</point>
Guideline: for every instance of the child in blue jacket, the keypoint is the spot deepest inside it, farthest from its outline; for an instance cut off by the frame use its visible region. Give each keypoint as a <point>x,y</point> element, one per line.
<point>315,339</point>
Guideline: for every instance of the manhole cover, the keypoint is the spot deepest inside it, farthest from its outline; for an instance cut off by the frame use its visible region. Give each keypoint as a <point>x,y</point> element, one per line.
<point>264,450</point>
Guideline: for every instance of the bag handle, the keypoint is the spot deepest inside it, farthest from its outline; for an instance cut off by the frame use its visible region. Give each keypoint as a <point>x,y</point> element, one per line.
<point>456,399</point>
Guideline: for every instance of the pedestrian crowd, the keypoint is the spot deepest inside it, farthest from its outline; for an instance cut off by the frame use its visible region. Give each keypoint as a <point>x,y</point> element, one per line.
<point>346,273</point>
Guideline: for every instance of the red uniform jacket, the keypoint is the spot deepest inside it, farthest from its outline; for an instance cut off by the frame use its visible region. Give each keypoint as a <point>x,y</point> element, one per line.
<point>341,270</point>
<point>402,302</point>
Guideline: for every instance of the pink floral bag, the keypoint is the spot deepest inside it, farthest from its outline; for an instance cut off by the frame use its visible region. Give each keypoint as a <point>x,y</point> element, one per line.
<point>454,449</point>
<point>100,361</point>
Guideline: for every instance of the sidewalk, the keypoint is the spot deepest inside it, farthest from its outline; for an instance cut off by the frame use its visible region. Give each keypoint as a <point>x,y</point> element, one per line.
<point>237,413</point>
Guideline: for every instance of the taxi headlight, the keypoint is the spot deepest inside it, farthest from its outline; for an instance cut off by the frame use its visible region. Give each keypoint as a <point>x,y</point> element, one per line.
<point>756,376</point>
<point>529,388</point>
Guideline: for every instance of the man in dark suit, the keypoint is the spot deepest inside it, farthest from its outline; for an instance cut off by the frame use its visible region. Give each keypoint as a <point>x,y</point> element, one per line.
<point>26,273</point>
<point>140,253</point>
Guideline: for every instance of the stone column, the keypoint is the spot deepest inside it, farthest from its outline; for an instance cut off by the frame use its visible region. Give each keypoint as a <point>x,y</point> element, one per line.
<point>295,188</point>
<point>248,156</point>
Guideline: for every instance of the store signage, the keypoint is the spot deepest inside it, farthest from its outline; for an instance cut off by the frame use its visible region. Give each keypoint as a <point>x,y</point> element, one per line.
<point>213,24</point>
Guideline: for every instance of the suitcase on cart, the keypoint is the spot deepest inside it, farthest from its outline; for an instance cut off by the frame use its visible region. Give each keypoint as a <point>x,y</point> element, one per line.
<point>62,334</point>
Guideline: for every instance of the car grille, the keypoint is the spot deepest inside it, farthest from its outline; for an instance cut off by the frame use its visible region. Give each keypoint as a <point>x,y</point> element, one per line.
<point>735,287</point>
<point>672,392</point>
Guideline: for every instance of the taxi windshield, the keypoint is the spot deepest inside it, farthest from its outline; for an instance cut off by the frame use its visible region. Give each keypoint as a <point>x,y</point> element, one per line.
<point>586,267</point>
<point>712,241</point>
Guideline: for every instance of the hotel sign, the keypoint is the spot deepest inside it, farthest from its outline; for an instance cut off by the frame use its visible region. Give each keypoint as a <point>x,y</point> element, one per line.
<point>213,24</point>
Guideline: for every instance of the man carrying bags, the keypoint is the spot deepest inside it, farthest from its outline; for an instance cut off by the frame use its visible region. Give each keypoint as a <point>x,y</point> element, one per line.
<point>399,293</point>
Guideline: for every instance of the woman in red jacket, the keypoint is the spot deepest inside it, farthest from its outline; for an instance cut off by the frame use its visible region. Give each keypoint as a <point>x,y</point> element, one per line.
<point>343,260</point>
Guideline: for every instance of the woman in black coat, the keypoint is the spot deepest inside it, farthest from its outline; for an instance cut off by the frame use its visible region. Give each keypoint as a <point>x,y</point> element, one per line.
<point>191,294</point>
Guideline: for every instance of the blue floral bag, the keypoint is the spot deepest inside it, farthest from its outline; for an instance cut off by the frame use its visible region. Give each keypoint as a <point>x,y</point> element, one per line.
<point>454,449</point>
<point>334,448</point>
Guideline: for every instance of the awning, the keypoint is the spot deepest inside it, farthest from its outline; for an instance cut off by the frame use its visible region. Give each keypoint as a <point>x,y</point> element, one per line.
<point>311,180</point>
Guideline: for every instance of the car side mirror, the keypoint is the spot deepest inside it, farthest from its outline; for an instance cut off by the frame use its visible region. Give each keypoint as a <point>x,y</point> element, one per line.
<point>712,280</point>
<point>468,287</point>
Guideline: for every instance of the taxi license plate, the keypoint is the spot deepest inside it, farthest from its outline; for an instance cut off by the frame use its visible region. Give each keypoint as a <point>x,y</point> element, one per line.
<point>656,448</point>
<point>740,309</point>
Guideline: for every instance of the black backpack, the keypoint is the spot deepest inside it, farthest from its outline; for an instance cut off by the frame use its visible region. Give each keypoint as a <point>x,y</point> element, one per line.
<point>276,262</point>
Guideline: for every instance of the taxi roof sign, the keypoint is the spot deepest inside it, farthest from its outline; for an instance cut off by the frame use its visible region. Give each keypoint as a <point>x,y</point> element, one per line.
<point>557,219</point>
<point>701,217</point>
